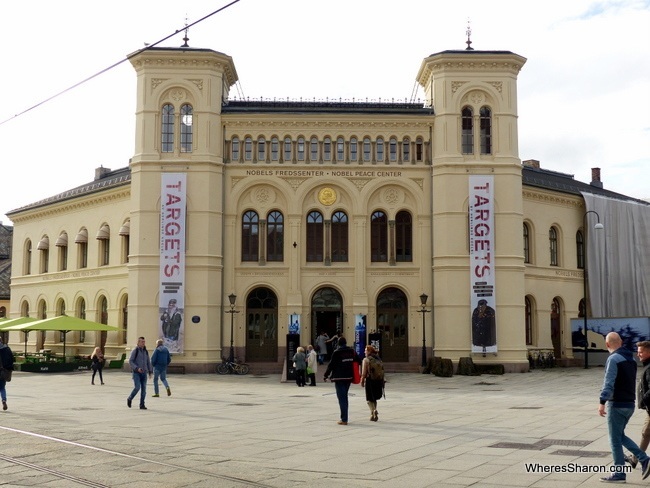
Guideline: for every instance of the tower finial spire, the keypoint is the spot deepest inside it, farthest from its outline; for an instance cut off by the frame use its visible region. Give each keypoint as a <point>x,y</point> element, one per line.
<point>185,44</point>
<point>469,35</point>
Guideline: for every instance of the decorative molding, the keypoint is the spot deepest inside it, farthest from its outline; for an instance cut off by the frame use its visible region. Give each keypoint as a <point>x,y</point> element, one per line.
<point>360,182</point>
<point>156,82</point>
<point>497,85</point>
<point>198,83</point>
<point>419,182</point>
<point>555,199</point>
<point>295,182</point>
<point>455,85</point>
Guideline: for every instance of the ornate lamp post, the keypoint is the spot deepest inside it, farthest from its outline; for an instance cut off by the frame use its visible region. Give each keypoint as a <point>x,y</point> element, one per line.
<point>232,297</point>
<point>598,226</point>
<point>424,311</point>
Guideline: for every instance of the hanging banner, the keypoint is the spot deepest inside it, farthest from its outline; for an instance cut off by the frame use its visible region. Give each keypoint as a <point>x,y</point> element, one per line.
<point>482,266</point>
<point>360,334</point>
<point>294,323</point>
<point>172,260</point>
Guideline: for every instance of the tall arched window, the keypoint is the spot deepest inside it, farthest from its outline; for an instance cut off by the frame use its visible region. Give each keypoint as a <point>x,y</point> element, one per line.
<point>315,237</point>
<point>301,149</point>
<point>353,149</point>
<point>378,237</point>
<point>275,149</point>
<point>552,239</point>
<point>403,237</point>
<point>27,262</point>
<point>339,237</point>
<point>380,150</point>
<point>261,149</point>
<point>82,248</point>
<point>235,148</point>
<point>486,130</point>
<point>167,130</point>
<point>419,149</point>
<point>327,149</point>
<point>528,321</point>
<point>250,236</point>
<point>580,250</point>
<point>275,237</point>
<point>248,149</point>
<point>526,244</point>
<point>340,149</point>
<point>62,245</point>
<point>392,149</point>
<point>313,149</point>
<point>187,134</point>
<point>366,149</point>
<point>287,149</point>
<point>104,240</point>
<point>406,150</point>
<point>43,247</point>
<point>467,131</point>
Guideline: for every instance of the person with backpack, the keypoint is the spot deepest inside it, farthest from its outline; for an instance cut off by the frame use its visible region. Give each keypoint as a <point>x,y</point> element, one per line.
<point>140,366</point>
<point>372,379</point>
<point>160,359</point>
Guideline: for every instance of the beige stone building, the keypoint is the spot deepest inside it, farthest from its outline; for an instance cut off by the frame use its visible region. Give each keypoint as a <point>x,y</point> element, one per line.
<point>331,212</point>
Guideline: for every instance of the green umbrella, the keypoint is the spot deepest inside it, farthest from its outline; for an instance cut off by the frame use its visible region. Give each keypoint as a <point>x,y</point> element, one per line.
<point>6,323</point>
<point>63,323</point>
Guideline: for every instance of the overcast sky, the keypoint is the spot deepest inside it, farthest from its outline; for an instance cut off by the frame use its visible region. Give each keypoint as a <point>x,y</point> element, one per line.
<point>583,93</point>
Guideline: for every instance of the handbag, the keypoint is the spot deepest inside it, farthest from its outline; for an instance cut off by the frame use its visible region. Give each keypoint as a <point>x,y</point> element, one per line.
<point>309,370</point>
<point>5,374</point>
<point>356,374</point>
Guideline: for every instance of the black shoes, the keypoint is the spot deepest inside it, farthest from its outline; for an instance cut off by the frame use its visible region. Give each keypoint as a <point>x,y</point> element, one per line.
<point>169,392</point>
<point>128,402</point>
<point>4,405</point>
<point>142,407</point>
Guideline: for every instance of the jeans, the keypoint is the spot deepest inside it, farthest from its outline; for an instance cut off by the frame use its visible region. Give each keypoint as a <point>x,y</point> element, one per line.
<point>342,388</point>
<point>162,373</point>
<point>617,419</point>
<point>139,384</point>
<point>3,391</point>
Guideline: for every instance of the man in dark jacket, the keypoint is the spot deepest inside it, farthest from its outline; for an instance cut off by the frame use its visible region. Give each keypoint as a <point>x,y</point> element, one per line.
<point>340,370</point>
<point>6,362</point>
<point>643,397</point>
<point>140,365</point>
<point>618,395</point>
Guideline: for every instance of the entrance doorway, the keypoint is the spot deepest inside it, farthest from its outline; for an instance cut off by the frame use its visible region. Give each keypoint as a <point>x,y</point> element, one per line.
<point>392,323</point>
<point>326,315</point>
<point>261,326</point>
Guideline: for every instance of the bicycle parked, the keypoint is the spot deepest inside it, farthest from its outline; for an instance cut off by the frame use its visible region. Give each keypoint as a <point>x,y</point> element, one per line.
<point>232,367</point>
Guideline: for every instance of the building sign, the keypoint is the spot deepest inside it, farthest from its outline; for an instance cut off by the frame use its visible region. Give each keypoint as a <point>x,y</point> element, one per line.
<point>294,323</point>
<point>172,260</point>
<point>482,266</point>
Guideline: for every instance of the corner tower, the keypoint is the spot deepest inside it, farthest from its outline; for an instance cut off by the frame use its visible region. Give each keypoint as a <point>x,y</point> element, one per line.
<point>474,94</point>
<point>180,93</point>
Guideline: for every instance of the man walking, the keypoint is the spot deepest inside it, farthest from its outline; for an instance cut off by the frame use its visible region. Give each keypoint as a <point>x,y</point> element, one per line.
<point>643,397</point>
<point>6,364</point>
<point>618,395</point>
<point>140,365</point>
<point>160,360</point>
<point>340,370</point>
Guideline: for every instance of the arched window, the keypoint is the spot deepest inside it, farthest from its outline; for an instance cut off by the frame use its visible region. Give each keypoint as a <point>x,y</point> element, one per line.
<point>486,130</point>
<point>419,149</point>
<point>248,149</point>
<point>43,248</point>
<point>82,248</point>
<point>378,237</point>
<point>250,236</point>
<point>580,250</point>
<point>187,134</point>
<point>327,149</point>
<point>392,149</point>
<point>366,149</point>
<point>287,149</point>
<point>552,238</point>
<point>104,239</point>
<point>314,237</point>
<point>81,314</point>
<point>403,237</point>
<point>261,149</point>
<point>406,150</point>
<point>467,131</point>
<point>27,263</point>
<point>62,245</point>
<point>340,149</point>
<point>313,149</point>
<point>380,150</point>
<point>526,244</point>
<point>275,149</point>
<point>529,321</point>
<point>167,128</point>
<point>339,237</point>
<point>353,149</point>
<point>275,237</point>
<point>301,149</point>
<point>235,149</point>
<point>125,235</point>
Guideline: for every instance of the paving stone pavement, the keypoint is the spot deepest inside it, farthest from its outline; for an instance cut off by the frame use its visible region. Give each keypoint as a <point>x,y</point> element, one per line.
<point>238,431</point>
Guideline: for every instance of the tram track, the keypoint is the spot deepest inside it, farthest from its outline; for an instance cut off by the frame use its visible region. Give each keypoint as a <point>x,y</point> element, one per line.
<point>84,482</point>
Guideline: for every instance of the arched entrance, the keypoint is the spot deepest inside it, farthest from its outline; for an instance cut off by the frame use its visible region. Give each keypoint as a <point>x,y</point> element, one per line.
<point>392,322</point>
<point>326,314</point>
<point>261,325</point>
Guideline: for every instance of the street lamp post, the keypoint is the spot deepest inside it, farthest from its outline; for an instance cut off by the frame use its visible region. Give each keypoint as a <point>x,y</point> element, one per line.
<point>232,297</point>
<point>598,226</point>
<point>424,311</point>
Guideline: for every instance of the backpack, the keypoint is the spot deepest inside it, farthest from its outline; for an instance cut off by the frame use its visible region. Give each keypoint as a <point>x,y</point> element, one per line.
<point>375,368</point>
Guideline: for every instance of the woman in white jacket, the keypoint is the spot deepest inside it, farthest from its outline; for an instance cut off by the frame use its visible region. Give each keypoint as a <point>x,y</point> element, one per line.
<point>312,365</point>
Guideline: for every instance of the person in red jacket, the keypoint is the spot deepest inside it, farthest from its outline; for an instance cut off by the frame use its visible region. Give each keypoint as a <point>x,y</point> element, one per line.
<point>340,371</point>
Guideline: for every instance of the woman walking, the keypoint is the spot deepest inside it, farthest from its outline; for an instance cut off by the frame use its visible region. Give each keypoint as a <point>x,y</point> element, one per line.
<point>97,358</point>
<point>372,379</point>
<point>300,364</point>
